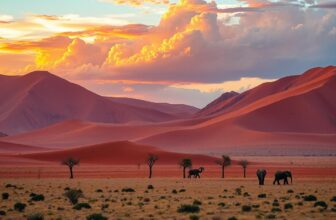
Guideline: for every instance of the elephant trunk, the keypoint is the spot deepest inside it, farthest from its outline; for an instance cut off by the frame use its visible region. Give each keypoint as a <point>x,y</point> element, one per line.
<point>291,178</point>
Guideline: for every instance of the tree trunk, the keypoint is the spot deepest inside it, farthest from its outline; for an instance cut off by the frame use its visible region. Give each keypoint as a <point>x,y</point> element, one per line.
<point>184,172</point>
<point>244,172</point>
<point>150,172</point>
<point>222,171</point>
<point>71,173</point>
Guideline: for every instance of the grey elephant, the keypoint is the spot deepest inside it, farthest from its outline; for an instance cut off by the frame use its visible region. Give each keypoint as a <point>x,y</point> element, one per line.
<point>196,172</point>
<point>282,175</point>
<point>261,174</point>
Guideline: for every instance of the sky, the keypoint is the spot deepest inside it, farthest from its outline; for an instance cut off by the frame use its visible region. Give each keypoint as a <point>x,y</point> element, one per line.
<point>181,51</point>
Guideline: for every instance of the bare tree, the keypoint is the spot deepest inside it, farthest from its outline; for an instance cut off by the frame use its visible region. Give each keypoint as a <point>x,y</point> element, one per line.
<point>244,164</point>
<point>151,161</point>
<point>225,161</point>
<point>70,162</point>
<point>185,163</point>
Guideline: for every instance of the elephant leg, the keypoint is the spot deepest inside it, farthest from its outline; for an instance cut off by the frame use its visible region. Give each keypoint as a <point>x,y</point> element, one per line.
<point>278,181</point>
<point>285,181</point>
<point>274,181</point>
<point>262,181</point>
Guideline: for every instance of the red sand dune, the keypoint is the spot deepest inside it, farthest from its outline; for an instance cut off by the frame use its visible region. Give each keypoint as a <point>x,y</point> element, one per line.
<point>39,99</point>
<point>6,147</point>
<point>294,115</point>
<point>123,152</point>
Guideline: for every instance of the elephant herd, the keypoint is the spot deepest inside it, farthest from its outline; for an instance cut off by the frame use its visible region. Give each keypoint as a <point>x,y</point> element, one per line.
<point>279,175</point>
<point>261,174</point>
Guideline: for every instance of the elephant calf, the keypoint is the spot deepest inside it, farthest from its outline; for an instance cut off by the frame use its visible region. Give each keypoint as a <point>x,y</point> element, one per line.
<point>261,174</point>
<point>282,175</point>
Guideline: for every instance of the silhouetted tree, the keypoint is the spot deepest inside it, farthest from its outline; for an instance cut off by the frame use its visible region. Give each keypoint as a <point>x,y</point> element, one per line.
<point>244,164</point>
<point>224,162</point>
<point>151,161</point>
<point>70,162</point>
<point>185,163</point>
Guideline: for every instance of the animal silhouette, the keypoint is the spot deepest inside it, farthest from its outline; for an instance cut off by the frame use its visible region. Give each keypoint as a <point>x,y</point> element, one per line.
<point>261,174</point>
<point>282,175</point>
<point>196,172</point>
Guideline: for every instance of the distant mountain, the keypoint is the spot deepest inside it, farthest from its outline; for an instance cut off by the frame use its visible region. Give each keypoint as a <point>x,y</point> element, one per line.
<point>180,111</point>
<point>39,99</point>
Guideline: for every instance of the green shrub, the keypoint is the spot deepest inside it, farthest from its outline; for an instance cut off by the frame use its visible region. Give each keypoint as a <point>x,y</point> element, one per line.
<point>127,190</point>
<point>221,204</point>
<point>232,218</point>
<point>35,216</point>
<point>246,208</point>
<point>150,187</point>
<point>246,194</point>
<point>73,195</point>
<point>10,186</point>
<point>333,199</point>
<point>19,206</point>
<point>182,190</point>
<point>82,205</point>
<point>288,206</point>
<point>290,191</point>
<point>2,213</point>
<point>197,202</point>
<point>96,216</point>
<point>309,198</point>
<point>194,217</point>
<point>99,190</point>
<point>174,191</point>
<point>270,216</point>
<point>321,204</point>
<point>5,196</point>
<point>188,208</point>
<point>276,210</point>
<point>262,195</point>
<point>36,197</point>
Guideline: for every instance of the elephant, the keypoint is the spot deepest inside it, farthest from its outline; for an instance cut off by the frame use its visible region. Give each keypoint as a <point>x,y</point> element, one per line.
<point>261,174</point>
<point>196,172</point>
<point>282,175</point>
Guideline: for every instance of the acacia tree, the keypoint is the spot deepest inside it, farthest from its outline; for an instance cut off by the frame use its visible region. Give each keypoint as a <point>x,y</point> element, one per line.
<point>70,162</point>
<point>225,161</point>
<point>244,164</point>
<point>185,163</point>
<point>151,161</point>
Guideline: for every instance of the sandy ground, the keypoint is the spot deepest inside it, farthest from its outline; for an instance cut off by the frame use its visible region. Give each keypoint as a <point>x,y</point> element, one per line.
<point>219,198</point>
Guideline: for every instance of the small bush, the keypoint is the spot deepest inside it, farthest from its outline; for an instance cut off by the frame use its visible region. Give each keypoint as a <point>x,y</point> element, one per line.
<point>188,208</point>
<point>150,187</point>
<point>246,208</point>
<point>290,191</point>
<point>99,190</point>
<point>104,206</point>
<point>321,204</point>
<point>262,195</point>
<point>82,205</point>
<point>10,186</point>
<point>238,191</point>
<point>36,216</point>
<point>232,218</point>
<point>36,197</point>
<point>2,213</point>
<point>174,191</point>
<point>19,206</point>
<point>333,199</point>
<point>276,210</point>
<point>5,196</point>
<point>256,206</point>
<point>197,202</point>
<point>96,216</point>
<point>73,195</point>
<point>310,198</point>
<point>270,216</point>
<point>194,217</point>
<point>246,194</point>
<point>127,190</point>
<point>182,190</point>
<point>222,204</point>
<point>288,206</point>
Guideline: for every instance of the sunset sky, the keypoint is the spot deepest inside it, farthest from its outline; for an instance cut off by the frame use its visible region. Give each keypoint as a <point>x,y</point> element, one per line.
<point>187,51</point>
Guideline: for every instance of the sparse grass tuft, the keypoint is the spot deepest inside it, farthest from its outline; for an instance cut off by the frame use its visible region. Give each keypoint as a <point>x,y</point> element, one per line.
<point>194,217</point>
<point>290,191</point>
<point>246,208</point>
<point>36,197</point>
<point>188,208</point>
<point>19,206</point>
<point>73,195</point>
<point>5,196</point>
<point>35,216</point>
<point>96,216</point>
<point>197,202</point>
<point>288,206</point>
<point>322,204</point>
<point>262,195</point>
<point>150,187</point>
<point>127,190</point>
<point>232,218</point>
<point>222,204</point>
<point>82,205</point>
<point>310,198</point>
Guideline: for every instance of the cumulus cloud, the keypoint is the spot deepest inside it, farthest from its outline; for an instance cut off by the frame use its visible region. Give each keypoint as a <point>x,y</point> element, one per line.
<point>191,49</point>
